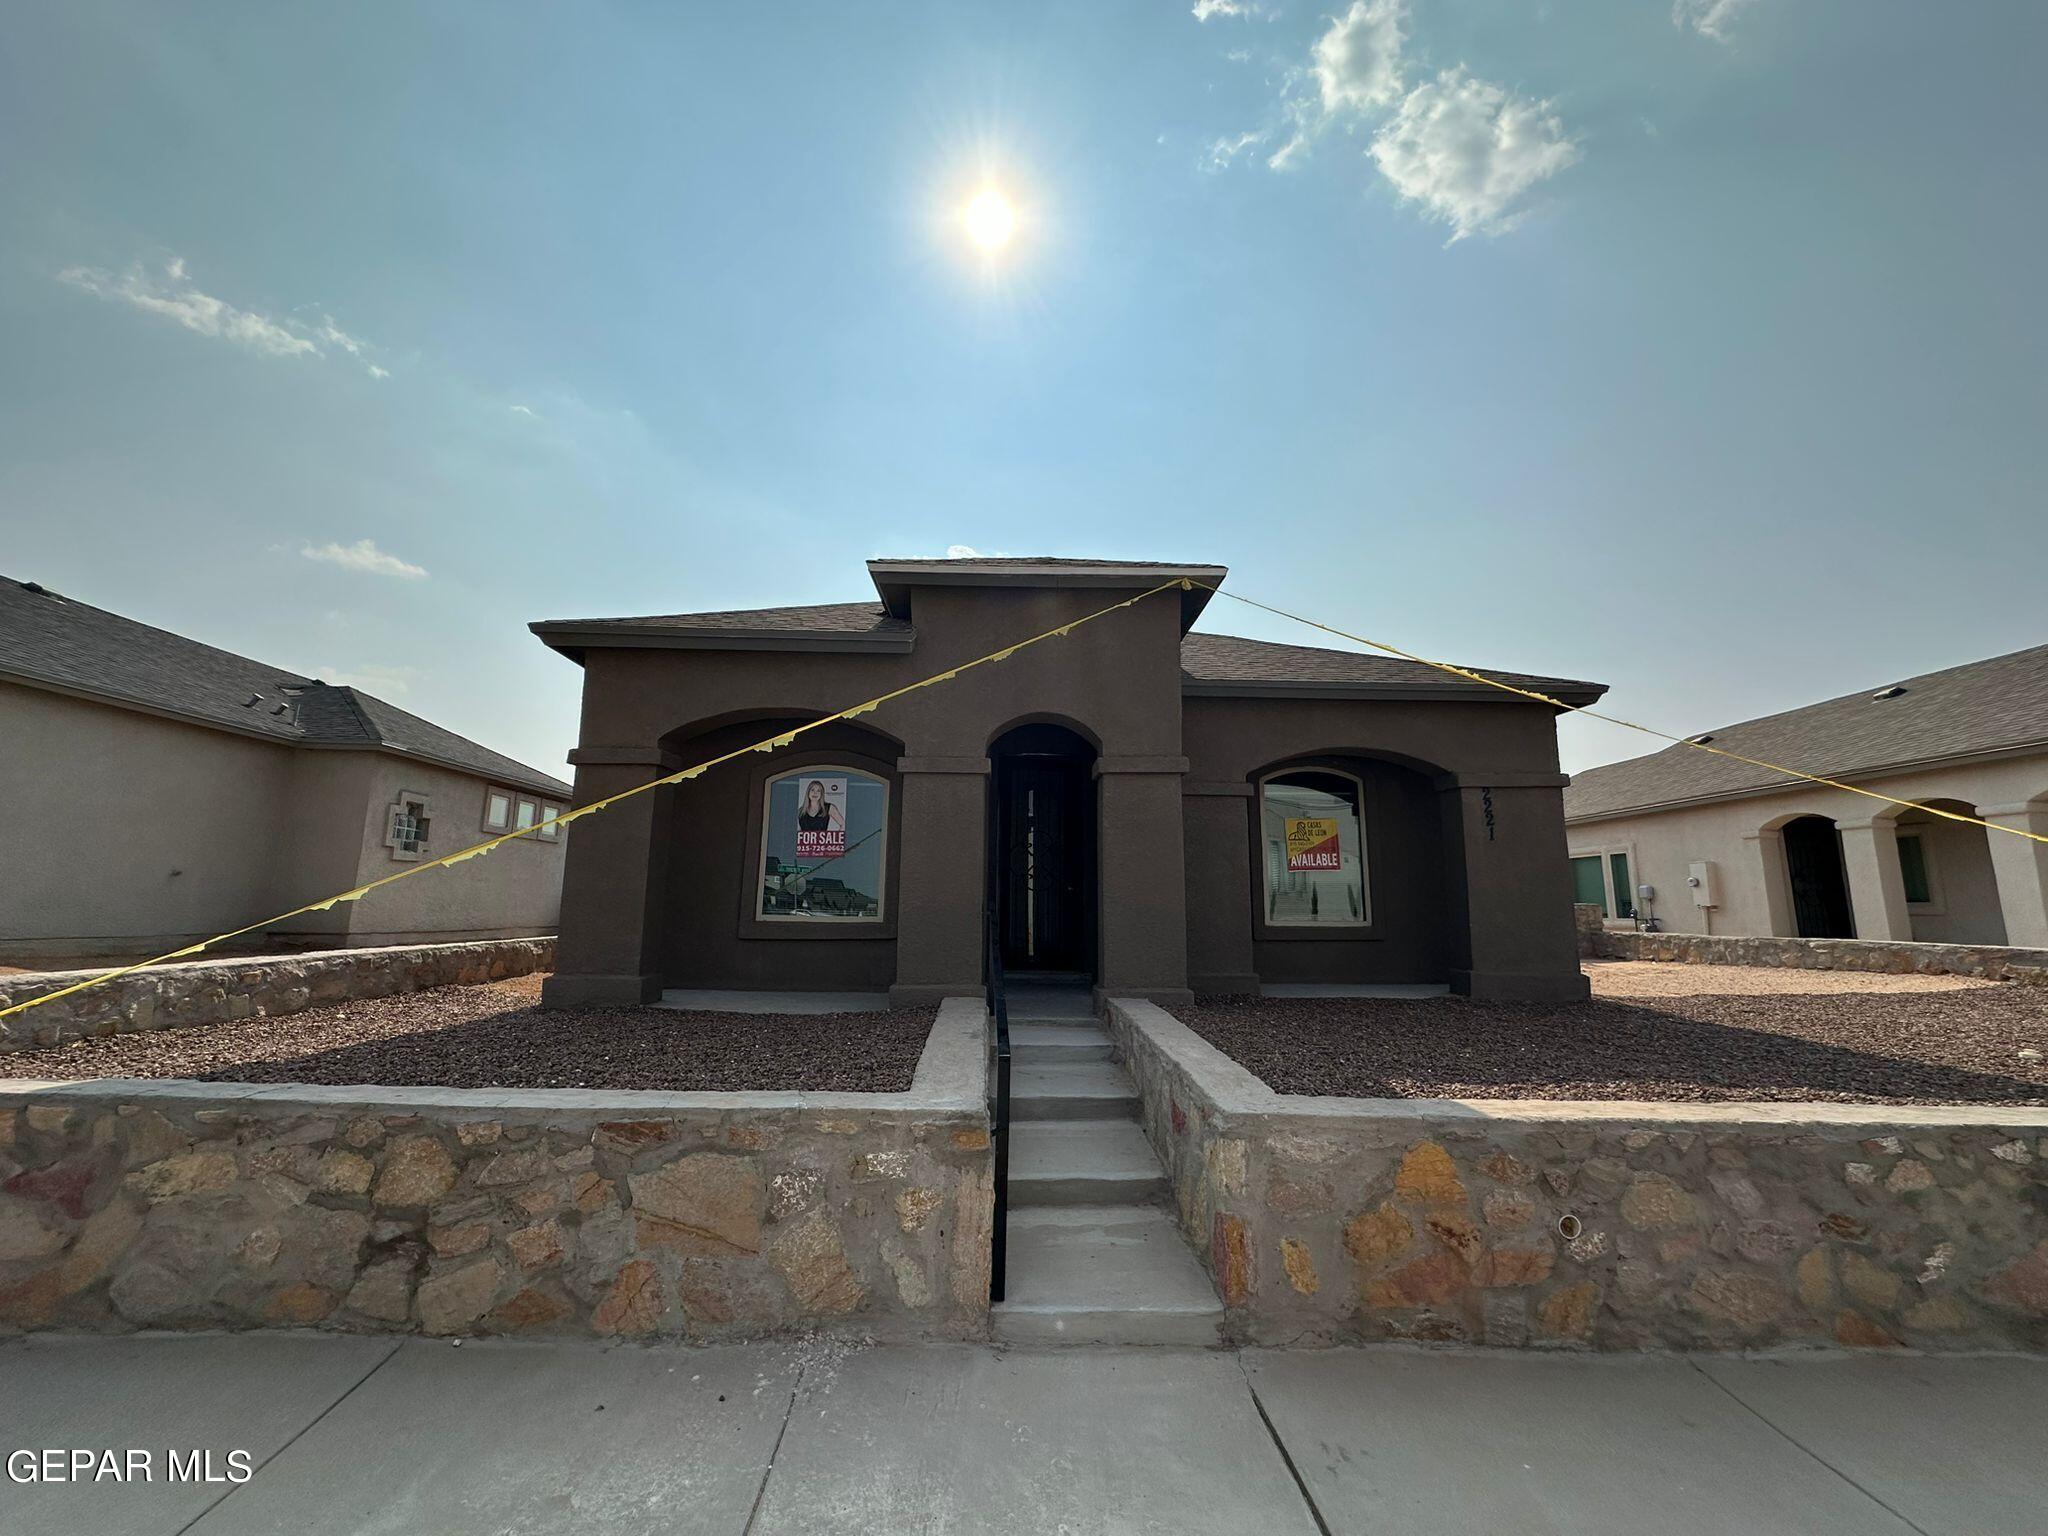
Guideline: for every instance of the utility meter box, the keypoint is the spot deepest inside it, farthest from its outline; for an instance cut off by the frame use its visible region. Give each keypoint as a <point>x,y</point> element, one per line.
<point>1702,877</point>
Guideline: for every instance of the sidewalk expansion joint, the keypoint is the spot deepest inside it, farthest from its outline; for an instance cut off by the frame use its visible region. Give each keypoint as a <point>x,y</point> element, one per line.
<point>1793,1441</point>
<point>382,1361</point>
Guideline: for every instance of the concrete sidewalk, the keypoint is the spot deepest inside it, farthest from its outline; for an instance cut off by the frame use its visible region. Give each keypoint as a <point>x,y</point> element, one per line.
<point>375,1435</point>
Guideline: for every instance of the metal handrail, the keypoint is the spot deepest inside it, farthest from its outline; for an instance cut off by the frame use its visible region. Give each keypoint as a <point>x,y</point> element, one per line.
<point>998,1104</point>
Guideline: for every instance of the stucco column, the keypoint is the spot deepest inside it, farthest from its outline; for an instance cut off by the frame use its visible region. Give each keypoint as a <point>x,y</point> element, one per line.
<point>1877,886</point>
<point>614,877</point>
<point>1514,888</point>
<point>1142,919</point>
<point>941,889</point>
<point>1219,888</point>
<point>1766,862</point>
<point>2021,867</point>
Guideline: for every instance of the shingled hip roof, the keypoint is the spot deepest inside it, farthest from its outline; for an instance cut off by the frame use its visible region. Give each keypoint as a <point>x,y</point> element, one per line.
<point>1984,707</point>
<point>53,642</point>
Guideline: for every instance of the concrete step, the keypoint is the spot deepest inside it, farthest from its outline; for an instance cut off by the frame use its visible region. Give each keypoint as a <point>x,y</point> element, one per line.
<point>1084,1090</point>
<point>1103,1275</point>
<point>1050,1004</point>
<point>1082,1162</point>
<point>1051,1044</point>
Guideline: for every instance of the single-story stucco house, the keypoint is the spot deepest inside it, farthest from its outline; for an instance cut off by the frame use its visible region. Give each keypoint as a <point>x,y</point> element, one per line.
<point>1728,848</point>
<point>1151,810</point>
<point>160,791</point>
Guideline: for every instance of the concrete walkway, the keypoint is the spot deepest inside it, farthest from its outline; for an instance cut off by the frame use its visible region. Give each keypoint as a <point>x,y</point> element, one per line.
<point>377,1436</point>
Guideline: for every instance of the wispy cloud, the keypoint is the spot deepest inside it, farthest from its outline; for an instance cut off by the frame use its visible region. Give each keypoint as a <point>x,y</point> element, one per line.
<point>365,556</point>
<point>1463,148</point>
<point>1207,10</point>
<point>172,295</point>
<point>1709,18</point>
<point>1467,150</point>
<point>391,681</point>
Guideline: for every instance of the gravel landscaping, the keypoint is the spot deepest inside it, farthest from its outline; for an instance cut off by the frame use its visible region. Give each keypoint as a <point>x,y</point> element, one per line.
<point>1649,1037</point>
<point>495,1036</point>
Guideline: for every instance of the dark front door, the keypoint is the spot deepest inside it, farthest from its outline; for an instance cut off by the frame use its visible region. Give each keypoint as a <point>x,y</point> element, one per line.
<point>1820,890</point>
<point>1045,877</point>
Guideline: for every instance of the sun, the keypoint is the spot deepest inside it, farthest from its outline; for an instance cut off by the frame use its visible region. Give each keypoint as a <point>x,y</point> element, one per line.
<point>990,219</point>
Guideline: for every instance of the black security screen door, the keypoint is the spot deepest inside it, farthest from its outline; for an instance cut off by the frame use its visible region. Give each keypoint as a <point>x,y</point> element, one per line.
<point>1044,846</point>
<point>1820,891</point>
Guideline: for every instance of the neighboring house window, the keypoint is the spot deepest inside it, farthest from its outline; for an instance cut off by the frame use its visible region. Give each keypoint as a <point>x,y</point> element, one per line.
<point>1918,866</point>
<point>547,814</point>
<point>824,841</point>
<point>1312,830</point>
<point>408,823</point>
<point>497,810</point>
<point>527,811</point>
<point>1600,878</point>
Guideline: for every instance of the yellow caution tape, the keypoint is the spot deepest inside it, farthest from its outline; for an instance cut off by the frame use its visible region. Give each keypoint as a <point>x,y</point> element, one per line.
<point>1647,730</point>
<point>866,706</point>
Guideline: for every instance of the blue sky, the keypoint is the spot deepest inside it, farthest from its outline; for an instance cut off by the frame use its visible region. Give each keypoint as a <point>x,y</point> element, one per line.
<point>1698,351</point>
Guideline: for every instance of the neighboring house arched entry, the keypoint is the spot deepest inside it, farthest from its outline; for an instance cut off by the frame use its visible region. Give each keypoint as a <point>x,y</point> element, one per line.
<point>1820,889</point>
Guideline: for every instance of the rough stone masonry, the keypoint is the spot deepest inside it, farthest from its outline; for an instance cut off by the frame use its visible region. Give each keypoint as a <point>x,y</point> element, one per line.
<point>167,1204</point>
<point>216,991</point>
<point>1605,1226</point>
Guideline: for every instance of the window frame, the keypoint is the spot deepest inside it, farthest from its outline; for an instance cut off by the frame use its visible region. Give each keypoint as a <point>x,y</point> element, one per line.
<point>1366,926</point>
<point>492,791</point>
<point>530,806</point>
<point>1936,904</point>
<point>397,808</point>
<point>546,833</point>
<point>755,891</point>
<point>1605,853</point>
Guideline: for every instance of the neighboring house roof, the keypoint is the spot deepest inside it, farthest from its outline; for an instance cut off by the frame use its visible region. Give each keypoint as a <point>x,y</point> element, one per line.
<point>1210,664</point>
<point>1993,706</point>
<point>51,641</point>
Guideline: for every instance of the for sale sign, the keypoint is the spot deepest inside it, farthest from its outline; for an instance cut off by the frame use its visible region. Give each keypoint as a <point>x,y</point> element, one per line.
<point>820,820</point>
<point>1312,843</point>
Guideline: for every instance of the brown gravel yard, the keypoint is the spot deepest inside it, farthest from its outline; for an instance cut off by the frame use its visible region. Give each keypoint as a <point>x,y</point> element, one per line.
<point>1667,1032</point>
<point>495,1036</point>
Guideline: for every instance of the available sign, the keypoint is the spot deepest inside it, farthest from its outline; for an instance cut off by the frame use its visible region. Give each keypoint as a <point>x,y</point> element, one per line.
<point>1312,843</point>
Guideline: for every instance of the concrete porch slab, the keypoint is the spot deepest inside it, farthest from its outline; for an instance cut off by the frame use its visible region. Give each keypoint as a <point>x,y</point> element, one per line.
<point>1079,1441</point>
<point>534,1438</point>
<point>1350,989</point>
<point>1443,1444</point>
<point>711,1000</point>
<point>1955,1445</point>
<point>251,1392</point>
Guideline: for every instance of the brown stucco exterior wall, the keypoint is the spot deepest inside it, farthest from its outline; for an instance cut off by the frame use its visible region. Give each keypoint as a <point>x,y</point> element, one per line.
<point>658,890</point>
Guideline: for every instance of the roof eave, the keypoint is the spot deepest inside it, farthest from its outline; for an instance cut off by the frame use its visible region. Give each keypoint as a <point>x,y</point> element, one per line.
<point>573,637</point>
<point>1792,782</point>
<point>1422,693</point>
<point>534,780</point>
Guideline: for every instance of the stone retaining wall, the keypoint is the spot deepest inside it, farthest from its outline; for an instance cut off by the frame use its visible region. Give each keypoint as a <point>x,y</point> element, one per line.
<point>1324,1220</point>
<point>1587,922</point>
<point>1995,962</point>
<point>127,1204</point>
<point>211,991</point>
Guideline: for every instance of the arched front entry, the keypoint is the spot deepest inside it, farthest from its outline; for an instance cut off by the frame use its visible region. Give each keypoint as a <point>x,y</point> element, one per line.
<point>1042,858</point>
<point>1820,888</point>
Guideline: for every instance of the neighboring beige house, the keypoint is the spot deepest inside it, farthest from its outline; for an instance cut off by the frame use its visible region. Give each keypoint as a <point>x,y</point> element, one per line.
<point>1732,849</point>
<point>160,791</point>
